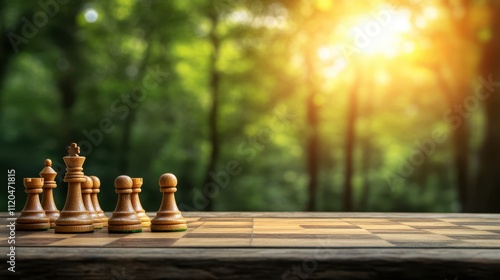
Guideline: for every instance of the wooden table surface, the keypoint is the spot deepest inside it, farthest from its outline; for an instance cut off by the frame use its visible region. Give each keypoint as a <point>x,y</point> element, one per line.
<point>271,245</point>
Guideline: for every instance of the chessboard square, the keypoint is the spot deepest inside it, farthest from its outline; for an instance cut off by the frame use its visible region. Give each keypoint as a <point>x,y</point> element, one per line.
<point>284,242</point>
<point>454,220</point>
<point>33,242</point>
<point>414,237</point>
<point>218,235</point>
<point>477,237</point>
<point>227,224</point>
<point>354,243</point>
<point>278,230</point>
<point>483,242</point>
<point>316,226</point>
<point>479,223</point>
<point>156,235</point>
<point>212,242</point>
<point>47,234</point>
<point>393,226</point>
<point>84,242</point>
<point>398,231</point>
<point>481,227</point>
<point>318,242</point>
<point>204,229</point>
<point>353,231</point>
<point>429,224</point>
<point>142,243</point>
<point>429,244</point>
<point>366,220</point>
<point>463,231</point>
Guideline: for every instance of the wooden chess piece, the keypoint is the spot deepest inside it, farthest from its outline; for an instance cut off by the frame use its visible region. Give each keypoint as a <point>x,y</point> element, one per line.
<point>33,216</point>
<point>87,201</point>
<point>168,217</point>
<point>74,217</point>
<point>124,218</point>
<point>48,174</point>
<point>136,202</point>
<point>96,184</point>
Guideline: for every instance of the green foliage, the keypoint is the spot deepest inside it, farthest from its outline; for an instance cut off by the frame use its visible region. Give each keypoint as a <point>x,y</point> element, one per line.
<point>73,74</point>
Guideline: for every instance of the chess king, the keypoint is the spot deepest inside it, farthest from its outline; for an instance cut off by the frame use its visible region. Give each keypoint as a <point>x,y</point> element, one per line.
<point>74,217</point>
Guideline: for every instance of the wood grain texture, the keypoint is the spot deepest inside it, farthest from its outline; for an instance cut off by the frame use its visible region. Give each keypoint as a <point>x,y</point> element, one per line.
<point>273,246</point>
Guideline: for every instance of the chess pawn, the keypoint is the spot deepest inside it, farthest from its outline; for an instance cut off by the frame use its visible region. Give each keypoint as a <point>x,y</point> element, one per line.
<point>74,217</point>
<point>48,174</point>
<point>136,202</point>
<point>87,201</point>
<point>96,184</point>
<point>124,218</point>
<point>33,216</point>
<point>168,217</point>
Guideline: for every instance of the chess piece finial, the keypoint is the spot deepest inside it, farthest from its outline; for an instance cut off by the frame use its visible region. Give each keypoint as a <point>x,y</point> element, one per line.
<point>73,150</point>
<point>33,216</point>
<point>124,218</point>
<point>48,204</point>
<point>168,217</point>
<point>96,185</point>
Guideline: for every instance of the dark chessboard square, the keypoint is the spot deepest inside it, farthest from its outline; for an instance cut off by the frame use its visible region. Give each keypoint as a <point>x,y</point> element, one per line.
<point>316,236</point>
<point>477,236</point>
<point>218,235</point>
<point>478,223</point>
<point>33,242</point>
<point>215,219</point>
<point>397,231</point>
<point>422,244</point>
<point>330,226</point>
<point>228,226</point>
<point>439,227</point>
<point>418,220</point>
<point>142,243</point>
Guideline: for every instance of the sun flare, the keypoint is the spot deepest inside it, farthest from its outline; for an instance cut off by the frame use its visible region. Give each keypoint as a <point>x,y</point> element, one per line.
<point>384,33</point>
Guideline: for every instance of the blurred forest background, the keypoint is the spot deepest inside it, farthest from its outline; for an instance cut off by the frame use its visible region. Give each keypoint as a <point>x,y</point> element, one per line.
<point>259,105</point>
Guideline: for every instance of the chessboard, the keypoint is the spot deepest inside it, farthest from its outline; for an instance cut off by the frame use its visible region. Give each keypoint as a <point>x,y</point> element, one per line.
<point>304,231</point>
<point>270,245</point>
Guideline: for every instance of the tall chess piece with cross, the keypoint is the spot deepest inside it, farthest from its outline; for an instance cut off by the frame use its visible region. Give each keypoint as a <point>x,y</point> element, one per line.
<point>74,217</point>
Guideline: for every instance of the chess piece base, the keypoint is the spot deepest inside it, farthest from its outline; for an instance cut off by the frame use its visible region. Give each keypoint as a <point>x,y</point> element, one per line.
<point>175,227</point>
<point>125,228</point>
<point>74,229</point>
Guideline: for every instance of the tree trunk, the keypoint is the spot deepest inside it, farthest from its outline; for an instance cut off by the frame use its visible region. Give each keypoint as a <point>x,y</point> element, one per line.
<point>312,145</point>
<point>366,149</point>
<point>214,109</point>
<point>123,155</point>
<point>487,188</point>
<point>459,137</point>
<point>350,139</point>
